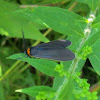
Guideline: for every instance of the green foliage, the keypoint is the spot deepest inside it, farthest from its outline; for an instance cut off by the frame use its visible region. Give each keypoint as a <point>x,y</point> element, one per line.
<point>92,38</point>
<point>91,3</point>
<point>62,20</point>
<point>45,66</point>
<point>59,69</point>
<point>1,86</point>
<point>96,22</point>
<point>46,14</point>
<point>86,51</point>
<point>40,92</point>
<point>95,57</point>
<point>83,32</point>
<point>14,22</point>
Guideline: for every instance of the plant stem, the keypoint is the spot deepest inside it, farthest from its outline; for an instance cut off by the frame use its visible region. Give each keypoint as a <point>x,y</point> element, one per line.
<point>9,70</point>
<point>87,34</point>
<point>38,77</point>
<point>24,68</point>
<point>74,4</point>
<point>2,97</point>
<point>75,62</point>
<point>45,34</point>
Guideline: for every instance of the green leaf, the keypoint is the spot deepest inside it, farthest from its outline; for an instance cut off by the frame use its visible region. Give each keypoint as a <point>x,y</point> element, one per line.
<point>95,61</point>
<point>59,20</point>
<point>11,23</point>
<point>93,4</point>
<point>96,22</point>
<point>34,91</point>
<point>94,36</point>
<point>95,56</point>
<point>43,65</point>
<point>29,15</point>
<point>66,86</point>
<point>58,81</point>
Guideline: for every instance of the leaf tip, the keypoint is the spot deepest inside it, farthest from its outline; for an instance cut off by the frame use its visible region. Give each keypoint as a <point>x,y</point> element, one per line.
<point>7,58</point>
<point>19,90</point>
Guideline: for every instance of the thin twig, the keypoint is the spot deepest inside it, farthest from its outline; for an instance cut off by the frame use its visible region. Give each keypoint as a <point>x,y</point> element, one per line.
<point>32,6</point>
<point>74,4</point>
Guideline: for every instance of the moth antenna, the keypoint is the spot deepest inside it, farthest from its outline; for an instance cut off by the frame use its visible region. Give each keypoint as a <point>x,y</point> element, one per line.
<point>23,40</point>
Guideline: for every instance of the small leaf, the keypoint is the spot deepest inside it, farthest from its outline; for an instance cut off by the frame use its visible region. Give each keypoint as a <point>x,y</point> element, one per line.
<point>43,65</point>
<point>95,56</point>
<point>34,91</point>
<point>60,20</point>
<point>94,36</point>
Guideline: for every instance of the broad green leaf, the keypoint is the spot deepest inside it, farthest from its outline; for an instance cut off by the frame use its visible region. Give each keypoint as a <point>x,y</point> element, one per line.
<point>30,16</point>
<point>96,22</point>
<point>80,65</point>
<point>95,56</point>
<point>59,20</point>
<point>43,65</point>
<point>36,90</point>
<point>96,46</point>
<point>82,21</point>
<point>93,4</point>
<point>11,23</point>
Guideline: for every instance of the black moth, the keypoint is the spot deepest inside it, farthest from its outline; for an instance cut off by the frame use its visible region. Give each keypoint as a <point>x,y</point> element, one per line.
<point>54,50</point>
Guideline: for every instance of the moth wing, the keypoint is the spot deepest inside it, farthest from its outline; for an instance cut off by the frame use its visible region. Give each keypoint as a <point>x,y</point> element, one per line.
<point>56,43</point>
<point>53,53</point>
